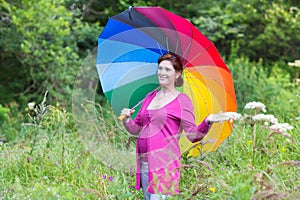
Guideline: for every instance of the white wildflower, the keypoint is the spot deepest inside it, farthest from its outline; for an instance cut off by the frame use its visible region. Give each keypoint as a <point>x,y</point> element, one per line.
<point>266,123</point>
<point>31,105</point>
<point>255,106</point>
<point>281,127</point>
<point>265,118</point>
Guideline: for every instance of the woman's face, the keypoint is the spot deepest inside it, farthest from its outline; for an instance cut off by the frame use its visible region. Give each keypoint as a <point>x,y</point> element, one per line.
<point>167,74</point>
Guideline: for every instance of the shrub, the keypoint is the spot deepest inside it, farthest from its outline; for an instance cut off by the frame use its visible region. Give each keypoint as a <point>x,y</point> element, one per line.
<point>11,120</point>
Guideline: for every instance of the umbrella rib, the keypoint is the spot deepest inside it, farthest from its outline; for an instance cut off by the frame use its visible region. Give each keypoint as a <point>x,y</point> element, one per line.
<point>198,54</point>
<point>190,43</point>
<point>186,51</point>
<point>167,44</point>
<point>172,24</point>
<point>176,46</point>
<point>159,48</point>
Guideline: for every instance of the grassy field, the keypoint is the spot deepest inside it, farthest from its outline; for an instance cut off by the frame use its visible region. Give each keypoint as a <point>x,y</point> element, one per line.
<point>54,160</point>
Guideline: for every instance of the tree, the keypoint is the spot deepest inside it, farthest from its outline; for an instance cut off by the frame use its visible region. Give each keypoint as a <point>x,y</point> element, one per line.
<point>47,48</point>
<point>260,29</point>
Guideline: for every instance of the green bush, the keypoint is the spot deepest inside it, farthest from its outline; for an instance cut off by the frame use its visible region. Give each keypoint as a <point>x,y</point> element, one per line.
<point>253,83</point>
<point>3,114</point>
<point>11,121</point>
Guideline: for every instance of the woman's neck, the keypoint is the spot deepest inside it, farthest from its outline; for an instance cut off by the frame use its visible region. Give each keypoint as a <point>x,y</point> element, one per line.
<point>168,90</point>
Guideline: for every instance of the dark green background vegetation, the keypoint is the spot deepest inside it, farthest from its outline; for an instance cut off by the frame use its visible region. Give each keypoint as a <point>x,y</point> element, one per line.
<point>43,42</point>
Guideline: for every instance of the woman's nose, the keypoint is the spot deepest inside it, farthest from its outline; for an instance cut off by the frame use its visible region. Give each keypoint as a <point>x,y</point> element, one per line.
<point>162,71</point>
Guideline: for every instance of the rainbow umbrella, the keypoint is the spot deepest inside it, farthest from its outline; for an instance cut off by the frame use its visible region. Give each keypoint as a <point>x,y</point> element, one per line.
<point>128,49</point>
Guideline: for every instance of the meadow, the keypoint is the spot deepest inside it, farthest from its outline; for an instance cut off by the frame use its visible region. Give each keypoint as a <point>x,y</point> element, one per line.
<point>48,153</point>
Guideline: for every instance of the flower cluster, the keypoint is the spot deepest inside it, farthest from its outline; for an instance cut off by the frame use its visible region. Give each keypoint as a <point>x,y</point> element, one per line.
<point>281,127</point>
<point>110,178</point>
<point>255,106</point>
<point>265,118</point>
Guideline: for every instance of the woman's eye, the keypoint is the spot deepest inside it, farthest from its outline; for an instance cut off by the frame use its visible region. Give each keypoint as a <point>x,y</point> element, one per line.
<point>162,68</point>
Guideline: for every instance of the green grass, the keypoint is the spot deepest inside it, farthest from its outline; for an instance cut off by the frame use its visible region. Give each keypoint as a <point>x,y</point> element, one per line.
<point>53,161</point>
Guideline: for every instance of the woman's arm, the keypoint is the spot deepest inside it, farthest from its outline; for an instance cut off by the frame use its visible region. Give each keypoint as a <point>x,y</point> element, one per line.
<point>194,133</point>
<point>132,126</point>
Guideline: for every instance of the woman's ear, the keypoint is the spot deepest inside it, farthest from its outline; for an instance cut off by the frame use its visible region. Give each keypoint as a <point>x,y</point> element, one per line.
<point>178,74</point>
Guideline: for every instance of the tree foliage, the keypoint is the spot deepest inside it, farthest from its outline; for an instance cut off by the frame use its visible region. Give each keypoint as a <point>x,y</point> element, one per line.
<point>47,47</point>
<point>43,42</point>
<point>260,28</point>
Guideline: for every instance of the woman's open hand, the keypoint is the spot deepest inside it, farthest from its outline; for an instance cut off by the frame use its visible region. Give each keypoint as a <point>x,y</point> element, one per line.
<point>222,116</point>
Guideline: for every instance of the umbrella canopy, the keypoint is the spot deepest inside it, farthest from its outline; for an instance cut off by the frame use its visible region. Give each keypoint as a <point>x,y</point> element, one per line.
<point>128,49</point>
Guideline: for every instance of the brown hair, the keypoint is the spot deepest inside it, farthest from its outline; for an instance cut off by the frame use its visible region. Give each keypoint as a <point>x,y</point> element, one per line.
<point>175,60</point>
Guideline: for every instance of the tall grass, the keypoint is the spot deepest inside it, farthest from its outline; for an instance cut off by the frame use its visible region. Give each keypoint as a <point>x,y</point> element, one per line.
<point>59,167</point>
<point>51,159</point>
<point>70,171</point>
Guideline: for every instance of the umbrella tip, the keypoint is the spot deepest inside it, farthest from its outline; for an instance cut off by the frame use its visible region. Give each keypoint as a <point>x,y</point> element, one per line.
<point>129,13</point>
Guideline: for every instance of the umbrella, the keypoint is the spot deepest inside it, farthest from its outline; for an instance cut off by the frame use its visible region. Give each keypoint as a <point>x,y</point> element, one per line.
<point>128,49</point>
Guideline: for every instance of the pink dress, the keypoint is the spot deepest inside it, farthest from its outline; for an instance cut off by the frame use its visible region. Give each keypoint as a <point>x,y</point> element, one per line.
<point>158,141</point>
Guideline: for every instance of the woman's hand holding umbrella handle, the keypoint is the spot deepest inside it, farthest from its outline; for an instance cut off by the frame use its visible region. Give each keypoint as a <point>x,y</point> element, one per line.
<point>125,114</point>
<point>122,117</point>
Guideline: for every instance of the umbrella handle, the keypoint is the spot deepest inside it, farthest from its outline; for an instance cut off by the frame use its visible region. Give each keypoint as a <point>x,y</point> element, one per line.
<point>121,117</point>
